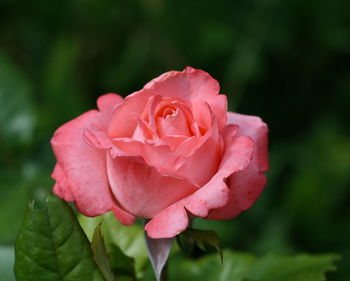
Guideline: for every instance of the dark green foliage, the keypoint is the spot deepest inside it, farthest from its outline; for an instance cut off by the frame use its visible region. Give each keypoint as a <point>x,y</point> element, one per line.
<point>51,246</point>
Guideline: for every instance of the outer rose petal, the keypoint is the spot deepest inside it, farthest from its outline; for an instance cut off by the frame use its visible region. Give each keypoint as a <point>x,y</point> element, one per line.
<point>61,187</point>
<point>255,128</point>
<point>123,216</point>
<point>106,104</point>
<point>140,189</point>
<point>190,84</point>
<point>84,167</point>
<point>108,101</point>
<point>246,186</point>
<point>213,195</point>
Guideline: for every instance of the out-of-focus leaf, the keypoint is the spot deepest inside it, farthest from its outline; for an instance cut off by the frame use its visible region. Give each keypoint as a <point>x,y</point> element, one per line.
<point>121,264</point>
<point>89,224</point>
<point>130,239</point>
<point>100,254</point>
<point>158,252</point>
<point>16,116</point>
<point>246,267</point>
<point>7,258</point>
<point>52,246</point>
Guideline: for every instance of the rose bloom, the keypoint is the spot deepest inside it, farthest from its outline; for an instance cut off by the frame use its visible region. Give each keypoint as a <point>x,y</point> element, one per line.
<point>169,153</point>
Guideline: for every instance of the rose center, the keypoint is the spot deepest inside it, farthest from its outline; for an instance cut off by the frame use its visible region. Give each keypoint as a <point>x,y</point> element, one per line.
<point>169,112</point>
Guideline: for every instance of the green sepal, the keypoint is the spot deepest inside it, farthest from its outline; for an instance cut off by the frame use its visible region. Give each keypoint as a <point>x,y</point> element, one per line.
<point>200,238</point>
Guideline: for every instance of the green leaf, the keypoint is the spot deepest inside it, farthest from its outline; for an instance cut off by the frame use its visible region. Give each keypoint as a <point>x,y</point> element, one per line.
<point>247,267</point>
<point>100,254</point>
<point>130,239</point>
<point>121,263</point>
<point>7,258</point>
<point>52,246</point>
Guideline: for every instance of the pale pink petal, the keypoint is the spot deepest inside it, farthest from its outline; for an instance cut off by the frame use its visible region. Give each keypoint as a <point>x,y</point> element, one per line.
<point>141,190</point>
<point>84,167</point>
<point>97,138</point>
<point>123,216</point>
<point>213,195</point>
<point>204,160</point>
<point>107,102</point>
<point>246,186</point>
<point>61,187</point>
<point>125,117</point>
<point>164,108</point>
<point>171,125</point>
<point>203,115</point>
<point>190,84</point>
<point>168,223</point>
<point>159,156</point>
<point>174,142</point>
<point>188,145</point>
<point>143,132</point>
<point>255,128</point>
<point>218,105</point>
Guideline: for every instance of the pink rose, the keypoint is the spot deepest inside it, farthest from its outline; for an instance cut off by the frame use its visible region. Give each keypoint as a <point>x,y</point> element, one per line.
<point>167,152</point>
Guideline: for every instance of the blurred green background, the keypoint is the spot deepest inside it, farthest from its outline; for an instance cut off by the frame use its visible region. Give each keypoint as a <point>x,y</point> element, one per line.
<point>286,61</point>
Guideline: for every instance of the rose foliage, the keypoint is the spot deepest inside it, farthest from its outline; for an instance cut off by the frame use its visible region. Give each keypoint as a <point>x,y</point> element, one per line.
<point>168,152</point>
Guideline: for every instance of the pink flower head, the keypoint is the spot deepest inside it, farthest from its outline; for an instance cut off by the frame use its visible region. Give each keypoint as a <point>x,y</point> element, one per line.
<point>166,152</point>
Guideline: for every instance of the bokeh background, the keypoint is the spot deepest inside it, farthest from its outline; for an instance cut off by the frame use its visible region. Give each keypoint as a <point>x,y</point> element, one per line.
<point>287,61</point>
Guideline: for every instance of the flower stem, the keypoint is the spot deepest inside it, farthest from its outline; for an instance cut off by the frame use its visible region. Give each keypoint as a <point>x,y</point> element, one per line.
<point>164,275</point>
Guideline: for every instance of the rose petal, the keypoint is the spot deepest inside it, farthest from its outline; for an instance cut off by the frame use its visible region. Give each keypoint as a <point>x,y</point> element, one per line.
<point>125,118</point>
<point>84,167</point>
<point>246,186</point>
<point>213,195</point>
<point>140,189</point>
<point>106,104</point>
<point>159,156</point>
<point>61,187</point>
<point>173,125</point>
<point>202,163</point>
<point>123,216</point>
<point>255,128</point>
<point>108,101</point>
<point>190,84</point>
<point>97,138</point>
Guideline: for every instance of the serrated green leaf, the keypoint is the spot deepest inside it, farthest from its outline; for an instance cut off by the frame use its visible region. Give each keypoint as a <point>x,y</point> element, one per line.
<point>52,246</point>
<point>100,254</point>
<point>247,267</point>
